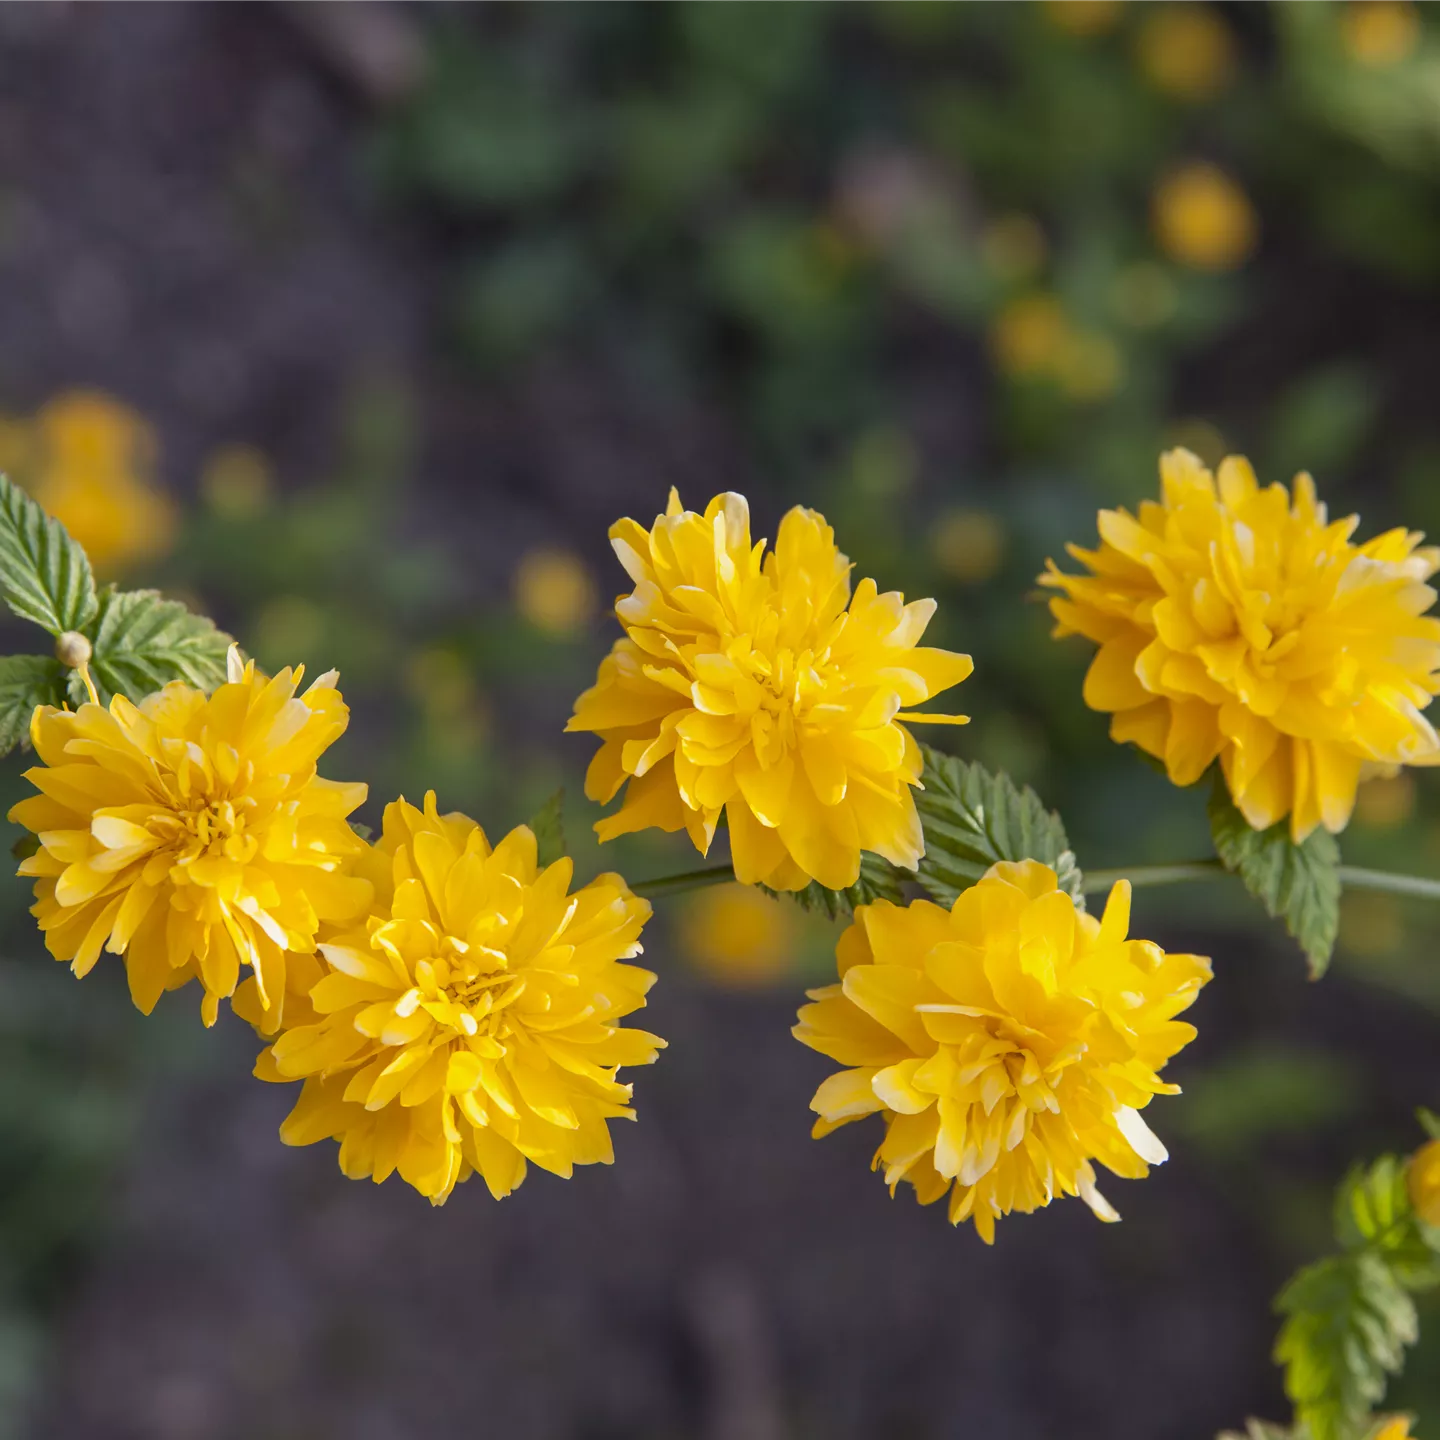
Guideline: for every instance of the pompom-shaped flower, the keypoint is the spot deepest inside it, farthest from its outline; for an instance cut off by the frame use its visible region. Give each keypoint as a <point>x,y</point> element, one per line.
<point>470,1023</point>
<point>191,834</point>
<point>1008,1042</point>
<point>1236,622</point>
<point>756,685</point>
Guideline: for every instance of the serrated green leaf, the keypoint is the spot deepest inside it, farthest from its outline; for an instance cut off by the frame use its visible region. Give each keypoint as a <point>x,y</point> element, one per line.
<point>143,641</point>
<point>879,880</point>
<point>973,818</point>
<point>1373,1209</point>
<point>1299,884</point>
<point>1348,1321</point>
<point>44,574</point>
<point>549,827</point>
<point>25,682</point>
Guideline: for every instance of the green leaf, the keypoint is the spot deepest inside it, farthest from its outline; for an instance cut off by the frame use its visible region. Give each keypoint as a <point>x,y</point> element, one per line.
<point>1297,883</point>
<point>1429,1122</point>
<point>878,880</point>
<point>45,575</point>
<point>1373,1209</point>
<point>1348,1321</point>
<point>549,827</point>
<point>143,641</point>
<point>25,682</point>
<point>973,819</point>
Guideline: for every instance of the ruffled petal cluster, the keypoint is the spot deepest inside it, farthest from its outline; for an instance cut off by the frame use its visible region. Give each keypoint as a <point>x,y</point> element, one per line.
<point>1238,623</point>
<point>1009,1042</point>
<point>470,1022</point>
<point>192,835</point>
<point>755,685</point>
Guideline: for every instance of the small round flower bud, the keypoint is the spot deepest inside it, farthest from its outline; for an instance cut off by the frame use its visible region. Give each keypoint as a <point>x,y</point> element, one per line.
<point>73,650</point>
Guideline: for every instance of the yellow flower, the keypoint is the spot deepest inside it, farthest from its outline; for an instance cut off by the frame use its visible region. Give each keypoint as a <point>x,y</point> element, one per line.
<point>1397,1427</point>
<point>1424,1181</point>
<point>470,1022</point>
<point>1082,17</point>
<point>92,464</point>
<point>554,591</point>
<point>1186,50</point>
<point>1203,218</point>
<point>1380,33</point>
<point>192,835</point>
<point>1236,623</point>
<point>1008,1042</point>
<point>756,685</point>
<point>738,936</point>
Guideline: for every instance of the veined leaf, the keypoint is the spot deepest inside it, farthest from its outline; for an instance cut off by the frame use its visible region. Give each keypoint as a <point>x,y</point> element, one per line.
<point>549,827</point>
<point>1297,883</point>
<point>44,574</point>
<point>972,819</point>
<point>1348,1321</point>
<point>879,880</point>
<point>25,682</point>
<point>1373,1209</point>
<point>143,641</point>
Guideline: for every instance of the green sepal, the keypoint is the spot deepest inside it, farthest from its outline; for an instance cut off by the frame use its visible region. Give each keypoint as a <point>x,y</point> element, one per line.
<point>548,824</point>
<point>25,682</point>
<point>44,575</point>
<point>973,818</point>
<point>1299,884</point>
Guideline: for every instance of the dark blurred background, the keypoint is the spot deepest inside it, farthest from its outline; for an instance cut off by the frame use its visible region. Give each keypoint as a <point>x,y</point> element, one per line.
<point>357,326</point>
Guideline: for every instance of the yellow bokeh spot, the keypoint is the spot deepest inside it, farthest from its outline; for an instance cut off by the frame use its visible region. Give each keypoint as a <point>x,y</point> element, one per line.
<point>738,936</point>
<point>968,545</point>
<point>1029,334</point>
<point>1380,33</point>
<point>554,591</point>
<point>1013,247</point>
<point>1089,366</point>
<point>1203,219</point>
<point>1385,802</point>
<point>89,460</point>
<point>237,482</point>
<point>1200,437</point>
<point>1143,295</point>
<point>1186,51</point>
<point>1083,17</point>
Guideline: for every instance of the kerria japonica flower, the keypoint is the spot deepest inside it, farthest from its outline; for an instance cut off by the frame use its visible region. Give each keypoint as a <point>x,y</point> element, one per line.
<point>192,835</point>
<point>470,1022</point>
<point>1008,1042</point>
<point>1237,623</point>
<point>757,686</point>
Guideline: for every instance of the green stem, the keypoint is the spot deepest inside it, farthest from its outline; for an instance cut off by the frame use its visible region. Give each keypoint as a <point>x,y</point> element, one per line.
<point>686,880</point>
<point>1352,877</point>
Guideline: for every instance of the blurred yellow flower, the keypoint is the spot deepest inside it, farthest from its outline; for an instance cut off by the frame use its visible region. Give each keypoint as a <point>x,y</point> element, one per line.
<point>236,482</point>
<point>737,935</point>
<point>1029,335</point>
<point>1235,623</point>
<point>756,685</point>
<point>1083,17</point>
<point>1396,1428</point>
<point>1379,33</point>
<point>968,545</point>
<point>1187,51</point>
<point>470,1022</point>
<point>192,836</point>
<point>1008,1042</point>
<point>1385,801</point>
<point>90,465</point>
<point>1424,1182</point>
<point>554,591</point>
<point>1203,219</point>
